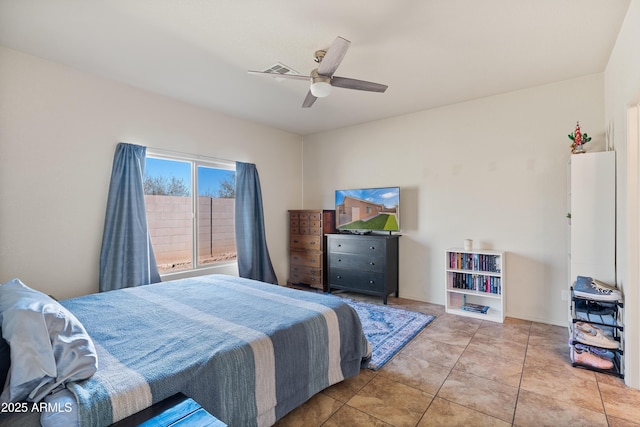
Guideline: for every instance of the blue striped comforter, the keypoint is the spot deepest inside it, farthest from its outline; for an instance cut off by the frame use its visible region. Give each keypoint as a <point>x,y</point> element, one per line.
<point>247,351</point>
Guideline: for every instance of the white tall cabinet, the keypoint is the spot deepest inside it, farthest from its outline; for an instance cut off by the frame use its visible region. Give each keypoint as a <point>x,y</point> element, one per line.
<point>592,204</point>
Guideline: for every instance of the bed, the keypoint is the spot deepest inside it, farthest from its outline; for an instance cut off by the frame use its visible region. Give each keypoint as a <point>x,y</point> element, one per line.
<point>247,351</point>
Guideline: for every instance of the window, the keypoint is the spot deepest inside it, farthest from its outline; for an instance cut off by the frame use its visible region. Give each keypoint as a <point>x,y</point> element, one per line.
<point>190,211</point>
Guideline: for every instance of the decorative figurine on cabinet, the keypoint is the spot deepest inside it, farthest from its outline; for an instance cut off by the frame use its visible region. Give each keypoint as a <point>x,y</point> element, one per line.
<point>578,140</point>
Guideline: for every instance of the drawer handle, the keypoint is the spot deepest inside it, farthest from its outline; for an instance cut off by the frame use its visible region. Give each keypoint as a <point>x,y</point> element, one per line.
<point>312,260</point>
<point>295,241</point>
<point>312,242</point>
<point>339,260</point>
<point>339,245</point>
<point>338,277</point>
<point>372,248</point>
<point>372,282</point>
<point>372,263</point>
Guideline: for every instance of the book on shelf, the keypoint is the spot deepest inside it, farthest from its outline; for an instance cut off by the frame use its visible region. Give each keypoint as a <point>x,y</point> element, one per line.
<point>475,261</point>
<point>475,282</point>
<point>476,308</point>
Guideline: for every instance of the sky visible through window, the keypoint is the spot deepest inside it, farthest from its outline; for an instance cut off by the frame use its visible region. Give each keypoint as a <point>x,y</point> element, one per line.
<point>209,178</point>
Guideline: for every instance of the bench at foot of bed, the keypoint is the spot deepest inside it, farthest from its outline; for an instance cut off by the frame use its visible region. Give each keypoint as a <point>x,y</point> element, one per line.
<point>175,411</point>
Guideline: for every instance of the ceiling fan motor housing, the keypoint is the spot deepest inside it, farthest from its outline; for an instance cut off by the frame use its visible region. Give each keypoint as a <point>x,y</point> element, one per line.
<point>320,85</point>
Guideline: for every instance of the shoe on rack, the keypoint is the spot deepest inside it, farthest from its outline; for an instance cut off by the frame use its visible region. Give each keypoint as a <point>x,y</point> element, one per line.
<point>586,287</point>
<point>601,285</point>
<point>595,307</point>
<point>595,311</point>
<point>587,358</point>
<point>589,334</point>
<point>600,352</point>
<point>592,328</point>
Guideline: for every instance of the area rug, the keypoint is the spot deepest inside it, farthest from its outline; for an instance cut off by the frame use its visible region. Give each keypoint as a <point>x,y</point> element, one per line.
<point>388,329</point>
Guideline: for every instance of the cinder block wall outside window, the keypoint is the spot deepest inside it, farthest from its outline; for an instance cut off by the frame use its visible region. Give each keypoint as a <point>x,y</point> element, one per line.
<point>170,224</point>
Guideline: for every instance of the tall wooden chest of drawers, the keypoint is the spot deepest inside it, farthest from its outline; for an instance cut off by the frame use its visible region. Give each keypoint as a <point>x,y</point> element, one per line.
<point>307,261</point>
<point>366,264</point>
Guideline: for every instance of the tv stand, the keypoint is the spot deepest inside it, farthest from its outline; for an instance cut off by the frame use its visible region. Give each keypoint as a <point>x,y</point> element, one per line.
<point>366,264</point>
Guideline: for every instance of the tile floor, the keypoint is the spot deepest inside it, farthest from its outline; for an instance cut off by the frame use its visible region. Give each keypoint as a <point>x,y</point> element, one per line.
<point>464,372</point>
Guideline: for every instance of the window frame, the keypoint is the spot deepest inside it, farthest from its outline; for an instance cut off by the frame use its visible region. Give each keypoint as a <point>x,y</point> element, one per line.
<point>195,161</point>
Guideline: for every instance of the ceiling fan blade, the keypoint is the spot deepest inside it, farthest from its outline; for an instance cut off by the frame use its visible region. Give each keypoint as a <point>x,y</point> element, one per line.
<point>281,76</point>
<point>333,57</point>
<point>309,100</point>
<point>348,83</point>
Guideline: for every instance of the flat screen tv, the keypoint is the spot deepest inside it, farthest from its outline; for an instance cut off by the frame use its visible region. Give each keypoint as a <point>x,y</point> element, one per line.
<point>368,209</point>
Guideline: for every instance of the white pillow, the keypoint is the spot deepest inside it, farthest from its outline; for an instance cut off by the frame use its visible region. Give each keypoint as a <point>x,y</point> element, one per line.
<point>49,346</point>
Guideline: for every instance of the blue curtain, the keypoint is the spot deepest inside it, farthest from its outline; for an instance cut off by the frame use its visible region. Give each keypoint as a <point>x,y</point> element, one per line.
<point>251,244</point>
<point>127,259</point>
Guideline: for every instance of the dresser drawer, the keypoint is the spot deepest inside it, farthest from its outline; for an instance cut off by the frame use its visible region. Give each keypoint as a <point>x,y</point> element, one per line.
<point>358,245</point>
<point>315,227</point>
<point>305,270</point>
<point>307,258</point>
<point>303,216</point>
<point>308,275</point>
<point>306,241</point>
<point>356,280</point>
<point>358,262</point>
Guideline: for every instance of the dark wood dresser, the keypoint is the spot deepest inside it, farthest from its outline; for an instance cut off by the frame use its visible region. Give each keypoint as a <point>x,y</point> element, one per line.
<point>363,263</point>
<point>307,242</point>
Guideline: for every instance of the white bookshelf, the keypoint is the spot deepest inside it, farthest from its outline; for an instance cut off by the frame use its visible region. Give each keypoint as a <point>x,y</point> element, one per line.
<point>475,277</point>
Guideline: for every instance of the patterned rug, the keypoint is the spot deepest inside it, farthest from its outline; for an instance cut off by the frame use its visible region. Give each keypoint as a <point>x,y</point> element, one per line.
<point>388,329</point>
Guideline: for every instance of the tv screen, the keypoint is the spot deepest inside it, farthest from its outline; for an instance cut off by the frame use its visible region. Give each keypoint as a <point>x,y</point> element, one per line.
<point>368,209</point>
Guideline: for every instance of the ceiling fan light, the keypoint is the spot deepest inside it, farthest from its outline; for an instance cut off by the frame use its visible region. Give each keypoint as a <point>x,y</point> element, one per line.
<point>320,89</point>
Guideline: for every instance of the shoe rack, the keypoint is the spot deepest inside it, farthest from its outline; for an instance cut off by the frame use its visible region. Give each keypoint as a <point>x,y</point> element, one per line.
<point>609,320</point>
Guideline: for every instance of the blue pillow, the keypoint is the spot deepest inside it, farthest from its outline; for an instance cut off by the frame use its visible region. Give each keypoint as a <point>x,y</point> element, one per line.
<point>48,345</point>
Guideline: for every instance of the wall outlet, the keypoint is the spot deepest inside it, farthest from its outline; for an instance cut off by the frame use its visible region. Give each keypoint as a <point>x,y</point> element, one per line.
<point>564,295</point>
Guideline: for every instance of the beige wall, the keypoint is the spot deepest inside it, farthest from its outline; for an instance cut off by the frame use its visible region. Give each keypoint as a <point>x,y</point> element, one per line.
<point>58,131</point>
<point>492,170</point>
<point>622,89</point>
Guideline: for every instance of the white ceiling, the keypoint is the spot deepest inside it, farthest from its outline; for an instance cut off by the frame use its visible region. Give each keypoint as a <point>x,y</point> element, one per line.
<point>430,52</point>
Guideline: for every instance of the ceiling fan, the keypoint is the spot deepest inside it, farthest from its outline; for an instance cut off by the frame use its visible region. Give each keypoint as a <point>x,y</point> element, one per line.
<point>322,78</point>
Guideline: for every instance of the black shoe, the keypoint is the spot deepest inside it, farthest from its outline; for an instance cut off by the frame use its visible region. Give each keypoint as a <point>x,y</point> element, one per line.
<point>591,310</point>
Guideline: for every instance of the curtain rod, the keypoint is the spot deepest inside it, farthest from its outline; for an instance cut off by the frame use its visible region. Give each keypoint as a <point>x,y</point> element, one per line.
<point>188,155</point>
